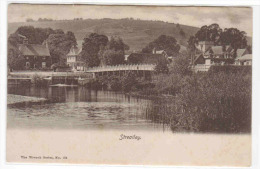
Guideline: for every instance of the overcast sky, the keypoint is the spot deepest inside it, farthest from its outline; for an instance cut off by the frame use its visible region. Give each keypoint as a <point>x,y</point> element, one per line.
<point>226,17</point>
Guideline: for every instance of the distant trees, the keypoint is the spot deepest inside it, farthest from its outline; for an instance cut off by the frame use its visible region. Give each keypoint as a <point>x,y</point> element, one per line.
<point>29,20</point>
<point>44,19</point>
<point>163,42</point>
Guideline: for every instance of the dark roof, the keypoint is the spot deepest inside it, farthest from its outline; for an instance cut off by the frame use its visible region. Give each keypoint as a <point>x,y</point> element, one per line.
<point>145,58</point>
<point>34,50</point>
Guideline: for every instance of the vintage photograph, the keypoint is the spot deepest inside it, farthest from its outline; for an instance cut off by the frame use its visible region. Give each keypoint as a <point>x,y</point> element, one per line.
<point>86,82</point>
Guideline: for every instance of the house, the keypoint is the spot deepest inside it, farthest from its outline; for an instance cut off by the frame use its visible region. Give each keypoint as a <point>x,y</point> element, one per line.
<point>36,56</point>
<point>163,53</point>
<point>241,52</point>
<point>74,60</point>
<point>244,60</point>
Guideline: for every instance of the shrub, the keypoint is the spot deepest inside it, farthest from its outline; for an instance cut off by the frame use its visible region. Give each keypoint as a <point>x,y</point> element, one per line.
<point>129,81</point>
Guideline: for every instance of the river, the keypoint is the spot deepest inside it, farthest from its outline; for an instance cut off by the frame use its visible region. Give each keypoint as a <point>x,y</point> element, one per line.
<point>81,108</point>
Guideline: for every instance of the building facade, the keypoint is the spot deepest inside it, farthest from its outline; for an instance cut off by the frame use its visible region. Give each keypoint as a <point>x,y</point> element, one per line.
<point>36,56</point>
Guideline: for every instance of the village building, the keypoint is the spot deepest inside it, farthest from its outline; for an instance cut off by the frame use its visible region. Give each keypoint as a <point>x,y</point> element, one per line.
<point>74,59</point>
<point>36,56</point>
<point>244,60</point>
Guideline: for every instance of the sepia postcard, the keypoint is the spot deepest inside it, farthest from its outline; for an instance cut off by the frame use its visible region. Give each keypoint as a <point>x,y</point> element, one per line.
<point>129,85</point>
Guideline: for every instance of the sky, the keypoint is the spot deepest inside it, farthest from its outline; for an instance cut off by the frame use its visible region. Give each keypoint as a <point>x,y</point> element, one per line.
<point>226,17</point>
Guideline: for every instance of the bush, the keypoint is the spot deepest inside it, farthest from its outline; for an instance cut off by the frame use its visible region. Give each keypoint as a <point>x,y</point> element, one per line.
<point>231,69</point>
<point>217,102</point>
<point>129,81</point>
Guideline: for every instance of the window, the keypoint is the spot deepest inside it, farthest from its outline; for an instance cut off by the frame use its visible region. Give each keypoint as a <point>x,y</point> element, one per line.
<point>27,64</point>
<point>43,64</point>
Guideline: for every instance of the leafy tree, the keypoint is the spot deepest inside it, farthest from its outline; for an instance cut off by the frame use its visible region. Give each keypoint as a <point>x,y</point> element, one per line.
<point>163,42</point>
<point>91,47</point>
<point>59,46</point>
<point>113,53</point>
<point>232,36</point>
<point>180,65</point>
<point>209,33</point>
<point>34,35</point>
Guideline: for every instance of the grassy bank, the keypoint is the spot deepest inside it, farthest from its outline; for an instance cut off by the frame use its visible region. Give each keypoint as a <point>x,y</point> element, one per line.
<point>216,101</point>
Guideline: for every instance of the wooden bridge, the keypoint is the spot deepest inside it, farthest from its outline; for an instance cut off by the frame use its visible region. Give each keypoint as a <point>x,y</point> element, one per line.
<point>137,67</point>
<point>140,69</point>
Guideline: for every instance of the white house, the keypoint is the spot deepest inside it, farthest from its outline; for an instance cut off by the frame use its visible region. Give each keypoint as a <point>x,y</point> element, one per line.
<point>244,60</point>
<point>73,59</point>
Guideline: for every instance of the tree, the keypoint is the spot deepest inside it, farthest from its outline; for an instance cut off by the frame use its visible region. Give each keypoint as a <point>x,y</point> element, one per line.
<point>60,45</point>
<point>163,42</point>
<point>182,33</point>
<point>192,42</point>
<point>113,53</point>
<point>234,37</point>
<point>209,33</point>
<point>180,65</point>
<point>34,35</point>
<point>91,48</point>
<point>230,36</point>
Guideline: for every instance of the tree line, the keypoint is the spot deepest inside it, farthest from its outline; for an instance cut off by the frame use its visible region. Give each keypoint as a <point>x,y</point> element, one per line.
<point>96,49</point>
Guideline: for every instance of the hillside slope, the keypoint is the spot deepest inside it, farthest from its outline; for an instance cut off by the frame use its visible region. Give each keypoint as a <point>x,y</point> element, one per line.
<point>136,33</point>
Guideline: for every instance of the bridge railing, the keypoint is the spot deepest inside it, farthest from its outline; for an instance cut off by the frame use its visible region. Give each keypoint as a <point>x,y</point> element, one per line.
<point>121,67</point>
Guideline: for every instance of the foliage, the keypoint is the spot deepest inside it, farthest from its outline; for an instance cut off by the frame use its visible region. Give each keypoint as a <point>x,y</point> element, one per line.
<point>91,47</point>
<point>213,32</point>
<point>180,65</point>
<point>34,35</point>
<point>129,81</point>
<point>59,46</point>
<point>163,42</point>
<point>14,60</point>
<point>228,69</point>
<point>113,53</point>
<point>161,66</point>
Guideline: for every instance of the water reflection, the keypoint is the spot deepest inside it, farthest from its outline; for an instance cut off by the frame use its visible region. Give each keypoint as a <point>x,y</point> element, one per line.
<point>81,108</point>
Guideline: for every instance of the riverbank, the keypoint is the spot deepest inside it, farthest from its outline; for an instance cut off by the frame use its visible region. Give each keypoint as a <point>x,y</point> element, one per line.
<point>12,99</point>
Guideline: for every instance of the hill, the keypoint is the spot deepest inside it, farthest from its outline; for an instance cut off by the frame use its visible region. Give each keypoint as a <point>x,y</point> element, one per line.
<point>136,33</point>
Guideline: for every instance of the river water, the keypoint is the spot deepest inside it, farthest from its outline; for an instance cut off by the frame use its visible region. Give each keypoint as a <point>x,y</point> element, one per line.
<point>81,108</point>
